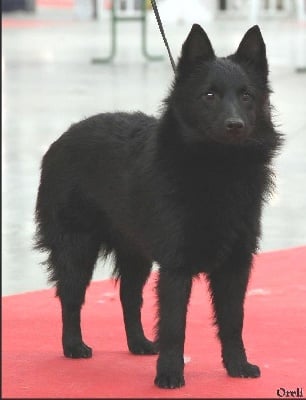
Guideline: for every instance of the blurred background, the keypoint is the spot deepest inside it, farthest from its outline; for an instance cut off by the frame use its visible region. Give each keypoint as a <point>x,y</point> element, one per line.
<point>64,60</point>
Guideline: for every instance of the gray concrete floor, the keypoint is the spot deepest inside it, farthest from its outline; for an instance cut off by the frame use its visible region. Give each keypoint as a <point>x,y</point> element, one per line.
<point>48,82</point>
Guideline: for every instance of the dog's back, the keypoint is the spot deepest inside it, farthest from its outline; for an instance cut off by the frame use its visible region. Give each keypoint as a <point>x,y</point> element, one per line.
<point>86,176</point>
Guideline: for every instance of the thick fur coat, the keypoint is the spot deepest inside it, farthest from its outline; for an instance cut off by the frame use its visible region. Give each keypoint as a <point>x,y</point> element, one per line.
<point>185,190</point>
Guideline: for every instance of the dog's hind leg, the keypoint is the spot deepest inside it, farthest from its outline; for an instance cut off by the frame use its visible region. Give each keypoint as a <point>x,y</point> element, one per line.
<point>133,270</point>
<point>71,263</point>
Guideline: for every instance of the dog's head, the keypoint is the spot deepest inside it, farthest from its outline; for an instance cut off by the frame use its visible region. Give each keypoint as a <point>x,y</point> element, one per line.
<point>223,100</point>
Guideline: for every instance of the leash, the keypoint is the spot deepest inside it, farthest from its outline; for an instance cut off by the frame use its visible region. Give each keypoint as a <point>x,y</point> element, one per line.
<point>160,25</point>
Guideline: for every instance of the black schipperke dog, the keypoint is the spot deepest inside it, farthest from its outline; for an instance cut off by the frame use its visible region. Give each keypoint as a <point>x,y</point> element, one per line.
<point>185,190</point>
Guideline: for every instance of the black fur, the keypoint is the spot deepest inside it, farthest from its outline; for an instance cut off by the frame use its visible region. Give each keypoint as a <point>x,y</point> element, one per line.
<point>185,190</point>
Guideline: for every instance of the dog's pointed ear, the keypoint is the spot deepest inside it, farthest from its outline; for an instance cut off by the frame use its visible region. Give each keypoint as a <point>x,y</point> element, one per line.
<point>196,48</point>
<point>252,49</point>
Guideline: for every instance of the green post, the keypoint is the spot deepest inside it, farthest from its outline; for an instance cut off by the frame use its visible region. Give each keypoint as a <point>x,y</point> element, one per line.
<point>113,24</point>
<point>144,35</point>
<point>113,32</point>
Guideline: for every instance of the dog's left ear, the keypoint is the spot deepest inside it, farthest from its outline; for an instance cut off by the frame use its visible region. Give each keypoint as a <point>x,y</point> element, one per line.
<point>252,49</point>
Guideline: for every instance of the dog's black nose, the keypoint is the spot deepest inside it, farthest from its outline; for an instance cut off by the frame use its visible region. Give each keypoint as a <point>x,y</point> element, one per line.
<point>233,125</point>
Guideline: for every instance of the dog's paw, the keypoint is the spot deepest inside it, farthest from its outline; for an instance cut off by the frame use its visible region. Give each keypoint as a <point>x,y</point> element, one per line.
<point>243,370</point>
<point>143,347</point>
<point>79,350</point>
<point>169,380</point>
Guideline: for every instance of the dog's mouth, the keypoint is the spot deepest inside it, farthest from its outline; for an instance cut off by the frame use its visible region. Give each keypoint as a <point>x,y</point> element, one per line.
<point>232,137</point>
<point>236,136</point>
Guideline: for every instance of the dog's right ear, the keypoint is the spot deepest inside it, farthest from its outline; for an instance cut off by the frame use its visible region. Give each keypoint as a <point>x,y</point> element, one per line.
<point>196,48</point>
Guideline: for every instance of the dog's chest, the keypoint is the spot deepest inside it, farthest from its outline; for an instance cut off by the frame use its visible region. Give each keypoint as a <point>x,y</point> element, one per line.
<point>218,213</point>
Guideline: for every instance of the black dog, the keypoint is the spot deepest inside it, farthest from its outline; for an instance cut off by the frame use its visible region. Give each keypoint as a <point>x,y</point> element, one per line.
<point>185,190</point>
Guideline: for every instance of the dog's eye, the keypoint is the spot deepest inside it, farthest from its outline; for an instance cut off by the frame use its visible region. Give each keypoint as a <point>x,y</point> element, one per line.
<point>245,96</point>
<point>210,96</point>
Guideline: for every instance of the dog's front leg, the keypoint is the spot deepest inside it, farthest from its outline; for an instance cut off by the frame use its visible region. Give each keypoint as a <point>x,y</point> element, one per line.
<point>228,285</point>
<point>173,295</point>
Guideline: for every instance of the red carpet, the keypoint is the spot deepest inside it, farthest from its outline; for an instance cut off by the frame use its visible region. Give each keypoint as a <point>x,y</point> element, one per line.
<point>275,332</point>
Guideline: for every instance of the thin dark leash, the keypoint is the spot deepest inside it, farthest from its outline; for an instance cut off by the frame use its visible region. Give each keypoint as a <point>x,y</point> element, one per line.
<point>161,28</point>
